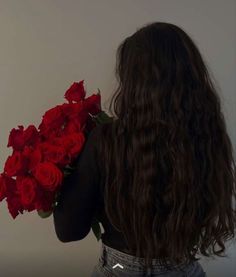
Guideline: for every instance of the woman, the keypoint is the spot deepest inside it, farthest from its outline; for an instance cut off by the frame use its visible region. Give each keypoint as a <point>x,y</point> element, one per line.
<point>161,176</point>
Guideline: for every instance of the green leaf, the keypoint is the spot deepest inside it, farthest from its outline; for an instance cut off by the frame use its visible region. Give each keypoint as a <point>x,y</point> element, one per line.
<point>102,117</point>
<point>44,214</point>
<point>96,229</point>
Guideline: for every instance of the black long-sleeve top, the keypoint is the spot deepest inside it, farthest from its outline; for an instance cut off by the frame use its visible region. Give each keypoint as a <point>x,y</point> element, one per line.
<point>81,197</point>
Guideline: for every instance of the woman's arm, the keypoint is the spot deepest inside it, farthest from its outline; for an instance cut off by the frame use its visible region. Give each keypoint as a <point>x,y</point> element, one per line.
<point>79,195</point>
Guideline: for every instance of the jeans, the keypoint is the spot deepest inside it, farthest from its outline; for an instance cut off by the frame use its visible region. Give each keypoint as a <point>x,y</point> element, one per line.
<point>131,266</point>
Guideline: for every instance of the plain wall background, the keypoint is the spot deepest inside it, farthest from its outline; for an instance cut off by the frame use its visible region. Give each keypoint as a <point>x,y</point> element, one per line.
<point>47,45</point>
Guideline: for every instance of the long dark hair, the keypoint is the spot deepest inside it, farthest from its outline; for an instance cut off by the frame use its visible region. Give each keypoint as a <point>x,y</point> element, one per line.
<point>170,170</point>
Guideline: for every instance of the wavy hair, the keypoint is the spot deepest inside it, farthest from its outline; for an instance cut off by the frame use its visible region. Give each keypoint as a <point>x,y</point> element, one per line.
<point>170,169</point>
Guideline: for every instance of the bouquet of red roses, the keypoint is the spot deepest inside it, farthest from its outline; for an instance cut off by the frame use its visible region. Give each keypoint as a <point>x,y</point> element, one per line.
<point>42,156</point>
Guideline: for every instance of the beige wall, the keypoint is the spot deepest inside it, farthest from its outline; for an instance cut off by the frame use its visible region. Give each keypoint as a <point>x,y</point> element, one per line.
<point>45,46</point>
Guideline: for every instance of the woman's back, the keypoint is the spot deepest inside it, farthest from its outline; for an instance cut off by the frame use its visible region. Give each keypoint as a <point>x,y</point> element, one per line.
<point>169,171</point>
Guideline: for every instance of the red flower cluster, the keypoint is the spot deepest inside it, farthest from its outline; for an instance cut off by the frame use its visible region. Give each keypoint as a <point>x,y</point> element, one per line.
<point>34,172</point>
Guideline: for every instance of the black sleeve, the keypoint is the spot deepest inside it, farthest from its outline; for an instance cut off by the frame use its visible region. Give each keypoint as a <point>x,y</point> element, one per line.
<point>79,195</point>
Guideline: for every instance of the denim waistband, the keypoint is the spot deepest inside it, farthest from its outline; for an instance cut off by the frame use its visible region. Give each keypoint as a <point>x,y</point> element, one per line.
<point>110,257</point>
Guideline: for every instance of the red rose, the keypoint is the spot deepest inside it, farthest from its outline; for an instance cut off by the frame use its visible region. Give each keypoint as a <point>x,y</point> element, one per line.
<point>18,138</point>
<point>11,194</point>
<point>3,189</point>
<point>33,156</point>
<point>14,205</point>
<point>72,127</point>
<point>53,120</point>
<point>77,124</point>
<point>26,186</point>
<point>15,164</point>
<point>73,143</point>
<point>72,110</point>
<point>48,175</point>
<point>93,104</point>
<point>31,135</point>
<point>53,153</point>
<point>76,92</point>
<point>44,200</point>
<point>7,186</point>
<point>10,184</point>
